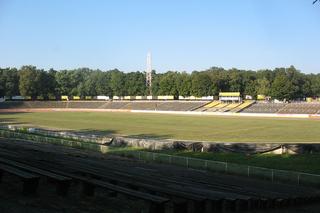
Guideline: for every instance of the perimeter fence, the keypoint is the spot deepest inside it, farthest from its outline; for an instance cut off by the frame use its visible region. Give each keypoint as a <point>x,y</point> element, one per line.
<point>273,175</point>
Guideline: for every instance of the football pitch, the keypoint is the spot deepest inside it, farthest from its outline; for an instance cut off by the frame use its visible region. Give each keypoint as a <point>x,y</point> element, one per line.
<point>168,126</point>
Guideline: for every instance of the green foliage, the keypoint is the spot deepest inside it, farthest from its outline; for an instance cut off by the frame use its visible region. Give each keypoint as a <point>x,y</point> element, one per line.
<point>169,84</point>
<point>281,87</point>
<point>314,84</point>
<point>184,84</point>
<point>280,83</point>
<point>262,86</point>
<point>63,82</point>
<point>201,84</point>
<point>30,81</point>
<point>235,81</point>
<point>135,84</point>
<point>117,83</point>
<point>155,87</point>
<point>2,84</point>
<point>9,82</point>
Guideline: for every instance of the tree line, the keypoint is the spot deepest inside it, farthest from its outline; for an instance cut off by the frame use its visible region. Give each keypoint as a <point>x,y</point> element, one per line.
<point>279,83</point>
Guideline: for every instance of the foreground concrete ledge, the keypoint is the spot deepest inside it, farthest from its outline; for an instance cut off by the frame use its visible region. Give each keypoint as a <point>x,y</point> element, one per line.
<point>226,147</point>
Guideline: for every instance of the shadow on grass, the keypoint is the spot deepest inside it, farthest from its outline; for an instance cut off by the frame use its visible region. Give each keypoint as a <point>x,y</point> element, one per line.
<point>150,136</point>
<point>88,132</point>
<point>8,121</point>
<point>12,113</point>
<point>114,133</point>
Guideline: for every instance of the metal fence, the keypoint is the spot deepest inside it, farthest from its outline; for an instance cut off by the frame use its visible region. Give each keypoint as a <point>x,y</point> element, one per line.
<point>273,175</point>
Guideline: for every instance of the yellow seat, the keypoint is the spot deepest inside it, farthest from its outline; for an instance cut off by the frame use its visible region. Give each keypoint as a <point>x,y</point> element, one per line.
<point>212,104</point>
<point>243,105</point>
<point>233,105</point>
<point>221,105</point>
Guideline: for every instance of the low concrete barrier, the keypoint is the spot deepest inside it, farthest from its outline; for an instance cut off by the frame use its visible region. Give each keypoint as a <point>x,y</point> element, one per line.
<point>204,146</point>
<point>167,144</point>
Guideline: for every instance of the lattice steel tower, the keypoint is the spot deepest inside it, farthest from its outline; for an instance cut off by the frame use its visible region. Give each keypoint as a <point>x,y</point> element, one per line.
<point>149,73</point>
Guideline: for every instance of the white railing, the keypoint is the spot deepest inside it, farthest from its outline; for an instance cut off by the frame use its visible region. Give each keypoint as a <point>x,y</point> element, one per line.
<point>274,175</point>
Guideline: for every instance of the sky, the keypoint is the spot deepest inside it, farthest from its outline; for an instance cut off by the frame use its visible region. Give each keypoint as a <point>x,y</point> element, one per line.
<point>182,35</point>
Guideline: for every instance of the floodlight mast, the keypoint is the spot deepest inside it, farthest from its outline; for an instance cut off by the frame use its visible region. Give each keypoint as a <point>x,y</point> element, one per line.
<point>149,73</point>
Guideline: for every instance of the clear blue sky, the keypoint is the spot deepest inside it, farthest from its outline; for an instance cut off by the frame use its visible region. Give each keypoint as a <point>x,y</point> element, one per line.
<point>182,35</point>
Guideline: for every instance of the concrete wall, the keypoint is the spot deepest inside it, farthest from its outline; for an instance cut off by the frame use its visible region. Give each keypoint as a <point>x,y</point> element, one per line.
<point>247,148</point>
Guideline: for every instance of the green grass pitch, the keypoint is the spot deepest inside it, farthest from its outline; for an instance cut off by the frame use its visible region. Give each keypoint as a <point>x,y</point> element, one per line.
<point>168,126</point>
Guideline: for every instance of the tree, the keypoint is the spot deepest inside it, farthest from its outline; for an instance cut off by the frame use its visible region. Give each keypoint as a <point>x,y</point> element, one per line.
<point>155,87</point>
<point>297,81</point>
<point>219,79</point>
<point>2,84</point>
<point>235,80</point>
<point>135,83</point>
<point>201,84</point>
<point>281,88</point>
<point>9,82</point>
<point>45,83</point>
<point>248,84</point>
<point>315,85</point>
<point>51,83</point>
<point>117,83</point>
<point>63,81</point>
<point>306,88</point>
<point>102,80</point>
<point>281,83</point>
<point>184,84</point>
<point>263,86</point>
<point>90,84</point>
<point>168,84</point>
<point>250,88</point>
<point>29,80</point>
<point>77,78</point>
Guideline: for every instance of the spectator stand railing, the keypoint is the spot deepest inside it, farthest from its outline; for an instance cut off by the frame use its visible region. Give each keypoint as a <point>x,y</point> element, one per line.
<point>273,175</point>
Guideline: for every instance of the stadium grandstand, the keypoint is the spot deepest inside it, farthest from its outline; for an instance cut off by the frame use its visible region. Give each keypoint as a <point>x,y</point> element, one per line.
<point>228,102</point>
<point>264,107</point>
<point>121,105</point>
<point>301,108</point>
<point>284,108</point>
